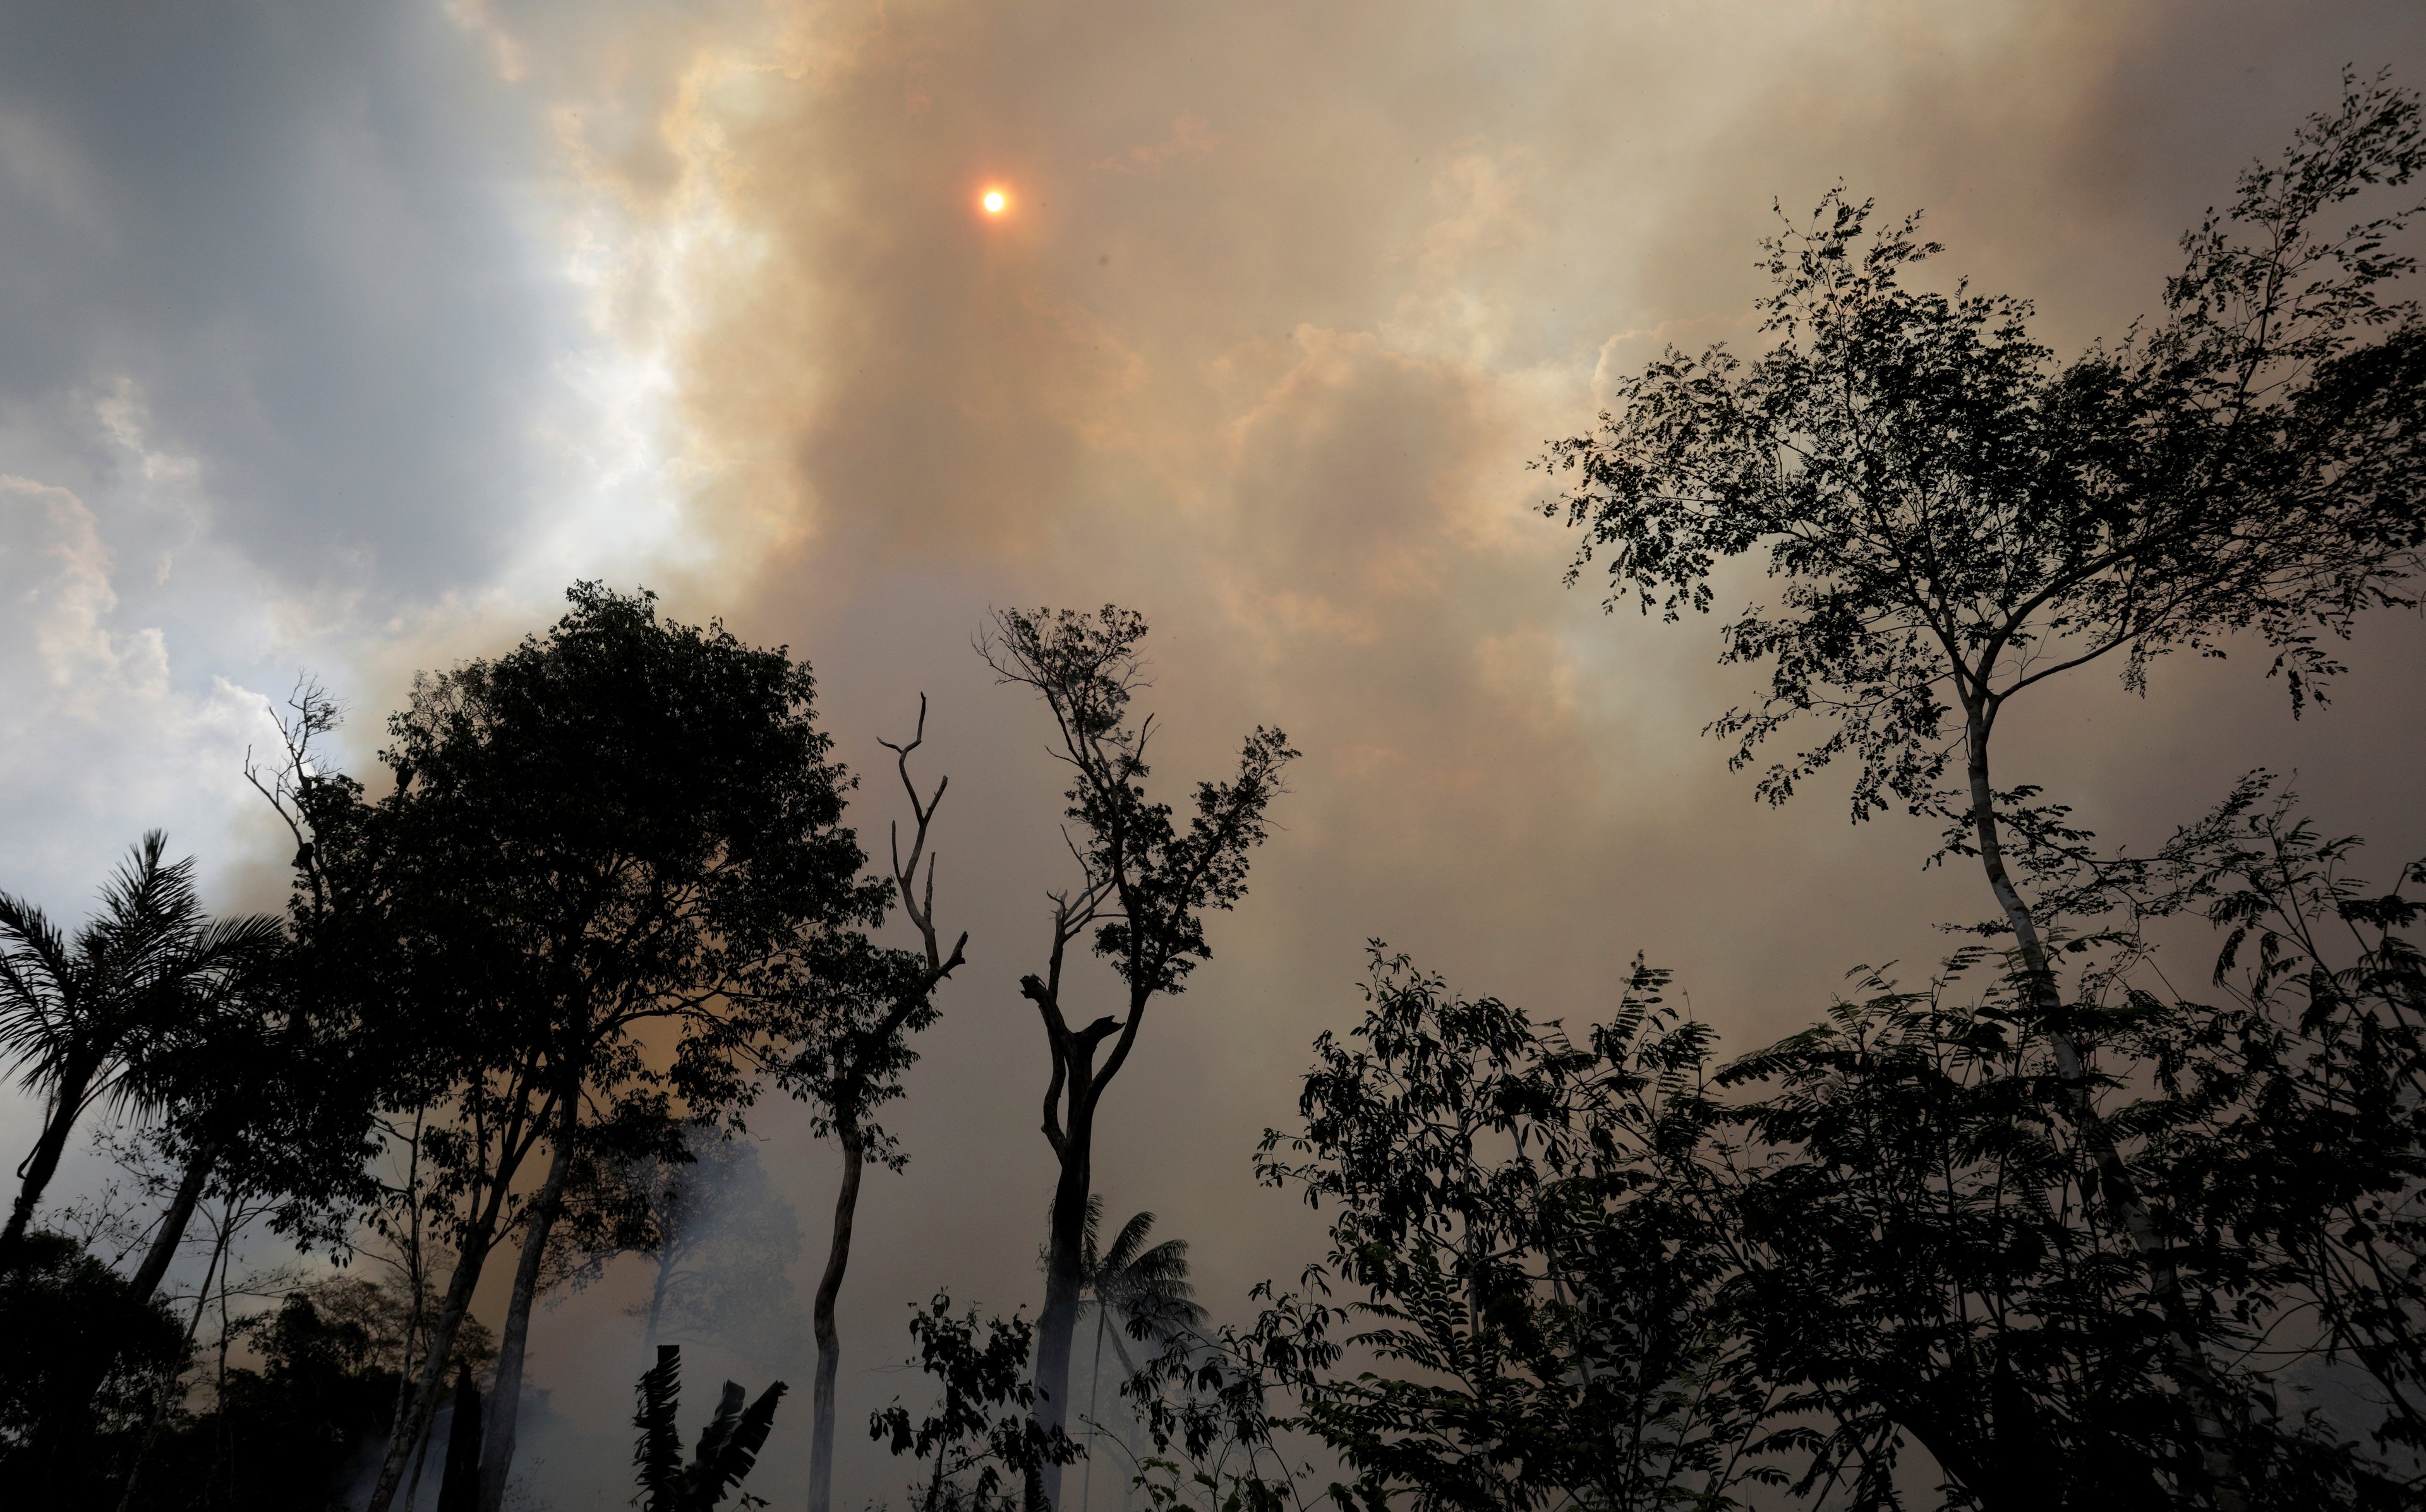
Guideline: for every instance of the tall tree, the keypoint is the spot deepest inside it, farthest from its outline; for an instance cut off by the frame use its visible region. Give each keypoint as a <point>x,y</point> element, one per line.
<point>1145,886</point>
<point>1956,519</point>
<point>851,1011</point>
<point>598,849</point>
<point>86,1020</point>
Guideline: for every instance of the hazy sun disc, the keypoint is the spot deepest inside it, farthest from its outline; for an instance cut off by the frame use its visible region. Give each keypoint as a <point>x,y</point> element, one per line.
<point>993,202</point>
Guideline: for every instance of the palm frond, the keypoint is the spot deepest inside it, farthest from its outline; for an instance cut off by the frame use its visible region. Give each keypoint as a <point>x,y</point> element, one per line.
<point>1127,1243</point>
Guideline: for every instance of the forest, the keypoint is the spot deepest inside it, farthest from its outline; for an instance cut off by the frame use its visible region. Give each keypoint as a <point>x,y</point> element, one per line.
<point>2120,1204</point>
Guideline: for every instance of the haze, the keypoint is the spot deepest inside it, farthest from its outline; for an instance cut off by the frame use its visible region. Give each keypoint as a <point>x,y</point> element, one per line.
<point>339,339</point>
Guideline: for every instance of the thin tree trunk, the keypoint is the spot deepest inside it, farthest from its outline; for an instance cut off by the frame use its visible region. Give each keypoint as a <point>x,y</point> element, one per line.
<point>506,1389</point>
<point>1095,1383</point>
<point>821,1427</point>
<point>460,1286</point>
<point>657,1294</point>
<point>943,1451</point>
<point>469,1261</point>
<point>43,1163</point>
<point>1128,1421</point>
<point>417,1283</point>
<point>2193,1373</point>
<point>160,1400</point>
<point>172,1224</point>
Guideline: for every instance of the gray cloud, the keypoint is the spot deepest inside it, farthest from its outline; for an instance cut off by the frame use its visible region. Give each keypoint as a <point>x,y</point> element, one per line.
<point>290,228</point>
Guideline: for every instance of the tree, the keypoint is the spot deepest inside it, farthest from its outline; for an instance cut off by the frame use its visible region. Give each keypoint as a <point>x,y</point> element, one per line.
<point>986,1421</point>
<point>265,1094</point>
<point>85,1020</point>
<point>2285,1118</point>
<point>1147,1285</point>
<point>598,849</point>
<point>1145,886</point>
<point>1957,519</point>
<point>1546,1300</point>
<point>1906,1210</point>
<point>62,1311</point>
<point>852,1010</point>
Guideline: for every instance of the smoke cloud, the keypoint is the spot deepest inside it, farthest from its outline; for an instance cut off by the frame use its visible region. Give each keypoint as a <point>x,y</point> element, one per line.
<point>431,310</point>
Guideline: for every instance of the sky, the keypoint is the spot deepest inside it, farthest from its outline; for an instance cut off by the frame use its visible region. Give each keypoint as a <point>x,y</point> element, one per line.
<point>336,341</point>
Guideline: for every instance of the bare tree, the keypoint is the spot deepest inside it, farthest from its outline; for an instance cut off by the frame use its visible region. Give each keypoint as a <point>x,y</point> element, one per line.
<point>855,1010</point>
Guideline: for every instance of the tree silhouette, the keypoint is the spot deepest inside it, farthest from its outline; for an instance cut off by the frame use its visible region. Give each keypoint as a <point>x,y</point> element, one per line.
<point>85,1020</point>
<point>1545,1300</point>
<point>728,1446</point>
<point>599,850</point>
<point>985,1422</point>
<point>851,1011</point>
<point>1144,888</point>
<point>1956,519</point>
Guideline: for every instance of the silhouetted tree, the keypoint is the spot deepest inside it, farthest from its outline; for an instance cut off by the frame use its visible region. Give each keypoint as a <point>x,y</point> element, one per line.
<point>459,1483</point>
<point>985,1422</point>
<point>1145,885</point>
<point>78,1351</point>
<point>1957,518</point>
<point>1545,1298</point>
<point>85,1020</point>
<point>2284,1127</point>
<point>597,849</point>
<point>851,1011</point>
<point>1908,1214</point>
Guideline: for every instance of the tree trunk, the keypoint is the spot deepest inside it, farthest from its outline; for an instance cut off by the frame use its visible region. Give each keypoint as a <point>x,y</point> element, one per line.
<point>460,1286</point>
<point>2202,1394</point>
<point>657,1294</point>
<point>1094,1384</point>
<point>821,1426</point>
<point>459,1484</point>
<point>506,1388</point>
<point>421,1461</point>
<point>43,1163</point>
<point>172,1224</point>
<point>1063,1280</point>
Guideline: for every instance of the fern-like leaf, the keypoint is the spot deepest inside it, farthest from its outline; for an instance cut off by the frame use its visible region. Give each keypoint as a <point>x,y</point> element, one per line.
<point>658,1453</point>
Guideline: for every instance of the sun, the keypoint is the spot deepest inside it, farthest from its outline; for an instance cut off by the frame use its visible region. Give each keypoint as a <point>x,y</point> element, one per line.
<point>994,201</point>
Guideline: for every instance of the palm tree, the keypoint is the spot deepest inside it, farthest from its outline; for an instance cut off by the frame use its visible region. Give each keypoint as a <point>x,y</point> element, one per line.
<point>83,1018</point>
<point>1146,1285</point>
